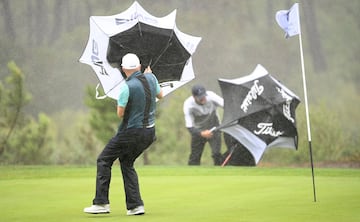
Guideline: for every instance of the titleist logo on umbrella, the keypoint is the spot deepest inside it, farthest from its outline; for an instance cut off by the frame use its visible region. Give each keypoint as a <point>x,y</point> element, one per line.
<point>255,91</point>
<point>286,106</point>
<point>267,129</point>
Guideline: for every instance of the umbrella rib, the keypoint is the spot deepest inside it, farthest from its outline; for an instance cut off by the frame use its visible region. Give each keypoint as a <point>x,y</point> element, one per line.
<point>166,47</point>
<point>115,85</point>
<point>140,32</point>
<point>179,63</point>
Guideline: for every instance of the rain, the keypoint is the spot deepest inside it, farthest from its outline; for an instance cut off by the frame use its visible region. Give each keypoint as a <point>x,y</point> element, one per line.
<point>46,38</point>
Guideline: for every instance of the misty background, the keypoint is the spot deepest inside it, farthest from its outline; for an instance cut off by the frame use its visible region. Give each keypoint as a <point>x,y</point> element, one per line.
<point>47,37</point>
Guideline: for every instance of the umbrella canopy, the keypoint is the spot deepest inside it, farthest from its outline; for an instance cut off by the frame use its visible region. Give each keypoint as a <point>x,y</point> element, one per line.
<point>259,112</point>
<point>157,42</point>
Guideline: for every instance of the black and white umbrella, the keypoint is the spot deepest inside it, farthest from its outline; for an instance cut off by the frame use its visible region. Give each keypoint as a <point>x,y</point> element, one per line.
<point>259,112</point>
<point>157,42</point>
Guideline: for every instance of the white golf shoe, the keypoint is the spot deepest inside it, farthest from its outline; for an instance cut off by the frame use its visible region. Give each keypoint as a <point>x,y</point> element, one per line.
<point>98,209</point>
<point>140,210</point>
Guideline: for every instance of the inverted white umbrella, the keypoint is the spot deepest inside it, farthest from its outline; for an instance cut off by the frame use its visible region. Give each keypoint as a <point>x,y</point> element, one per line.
<point>157,41</point>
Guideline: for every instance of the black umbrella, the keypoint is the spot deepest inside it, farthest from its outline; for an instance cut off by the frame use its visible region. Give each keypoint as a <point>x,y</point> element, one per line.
<point>156,47</point>
<point>259,112</point>
<point>158,44</point>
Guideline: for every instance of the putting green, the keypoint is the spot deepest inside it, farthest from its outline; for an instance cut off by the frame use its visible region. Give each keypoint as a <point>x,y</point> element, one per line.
<point>54,193</point>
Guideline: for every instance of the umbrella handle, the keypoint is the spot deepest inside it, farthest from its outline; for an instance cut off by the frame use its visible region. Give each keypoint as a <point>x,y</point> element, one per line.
<point>213,129</point>
<point>224,125</point>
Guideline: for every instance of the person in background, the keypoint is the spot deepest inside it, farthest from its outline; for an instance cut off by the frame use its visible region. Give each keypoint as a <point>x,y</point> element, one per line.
<point>136,107</point>
<point>200,112</point>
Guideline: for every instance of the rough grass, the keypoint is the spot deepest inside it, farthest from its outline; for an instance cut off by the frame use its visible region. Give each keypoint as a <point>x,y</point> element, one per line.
<point>48,193</point>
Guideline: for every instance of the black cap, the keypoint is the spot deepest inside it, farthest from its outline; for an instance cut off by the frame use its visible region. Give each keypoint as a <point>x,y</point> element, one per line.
<point>198,91</point>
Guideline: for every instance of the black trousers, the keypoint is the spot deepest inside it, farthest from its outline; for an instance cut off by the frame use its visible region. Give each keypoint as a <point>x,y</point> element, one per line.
<point>126,146</point>
<point>197,148</point>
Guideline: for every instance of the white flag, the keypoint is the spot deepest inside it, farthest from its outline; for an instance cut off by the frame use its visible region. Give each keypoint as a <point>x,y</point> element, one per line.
<point>289,20</point>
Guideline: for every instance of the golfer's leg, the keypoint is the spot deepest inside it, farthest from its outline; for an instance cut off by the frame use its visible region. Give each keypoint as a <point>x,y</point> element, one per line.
<point>131,185</point>
<point>104,163</point>
<point>215,144</point>
<point>137,140</point>
<point>197,148</point>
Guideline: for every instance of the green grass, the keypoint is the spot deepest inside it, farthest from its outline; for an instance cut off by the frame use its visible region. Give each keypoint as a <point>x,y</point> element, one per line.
<point>54,193</point>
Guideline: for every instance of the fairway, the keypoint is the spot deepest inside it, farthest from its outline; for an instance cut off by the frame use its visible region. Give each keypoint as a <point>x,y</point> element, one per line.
<point>54,193</point>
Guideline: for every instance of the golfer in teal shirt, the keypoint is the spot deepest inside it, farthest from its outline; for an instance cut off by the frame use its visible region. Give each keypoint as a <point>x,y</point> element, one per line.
<point>136,107</point>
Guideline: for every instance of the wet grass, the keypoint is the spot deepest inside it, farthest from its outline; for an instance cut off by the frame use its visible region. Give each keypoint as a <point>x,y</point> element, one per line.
<point>181,193</point>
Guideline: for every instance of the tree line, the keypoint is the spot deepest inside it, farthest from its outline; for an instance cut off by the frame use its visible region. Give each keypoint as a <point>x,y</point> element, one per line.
<point>28,140</point>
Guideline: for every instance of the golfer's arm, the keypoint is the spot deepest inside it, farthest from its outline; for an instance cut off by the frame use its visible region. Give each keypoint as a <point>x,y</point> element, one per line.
<point>160,94</point>
<point>120,111</point>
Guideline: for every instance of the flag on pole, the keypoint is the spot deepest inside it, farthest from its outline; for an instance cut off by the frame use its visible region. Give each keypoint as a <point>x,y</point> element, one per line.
<point>289,20</point>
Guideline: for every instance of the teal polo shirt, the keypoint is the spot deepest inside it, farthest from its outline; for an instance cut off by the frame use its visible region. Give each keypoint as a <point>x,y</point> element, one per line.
<point>132,97</point>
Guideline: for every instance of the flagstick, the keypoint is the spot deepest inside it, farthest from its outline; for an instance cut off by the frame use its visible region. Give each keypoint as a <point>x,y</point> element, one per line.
<point>307,111</point>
